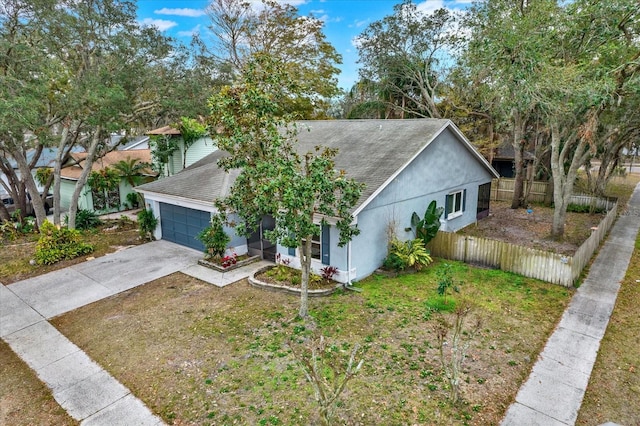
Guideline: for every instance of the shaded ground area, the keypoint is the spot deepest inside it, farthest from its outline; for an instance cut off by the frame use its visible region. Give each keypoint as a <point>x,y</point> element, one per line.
<point>613,393</point>
<point>198,354</point>
<point>24,399</point>
<point>517,226</point>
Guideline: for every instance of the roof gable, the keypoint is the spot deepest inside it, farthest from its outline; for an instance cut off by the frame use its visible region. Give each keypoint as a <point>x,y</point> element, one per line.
<point>373,152</point>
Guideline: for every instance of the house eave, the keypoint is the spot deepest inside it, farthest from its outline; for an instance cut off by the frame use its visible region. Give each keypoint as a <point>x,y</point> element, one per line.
<point>177,200</point>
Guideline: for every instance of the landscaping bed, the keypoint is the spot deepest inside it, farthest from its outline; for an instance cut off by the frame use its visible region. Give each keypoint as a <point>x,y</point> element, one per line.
<point>197,354</point>
<point>238,262</point>
<point>264,279</point>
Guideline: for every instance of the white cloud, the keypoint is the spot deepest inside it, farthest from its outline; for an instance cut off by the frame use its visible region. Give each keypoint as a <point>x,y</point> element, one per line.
<point>184,11</point>
<point>189,33</point>
<point>160,24</point>
<point>430,6</point>
<point>257,5</point>
<point>359,24</point>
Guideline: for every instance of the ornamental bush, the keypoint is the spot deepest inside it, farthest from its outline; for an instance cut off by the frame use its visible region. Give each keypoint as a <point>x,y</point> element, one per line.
<point>408,254</point>
<point>214,238</point>
<point>56,244</point>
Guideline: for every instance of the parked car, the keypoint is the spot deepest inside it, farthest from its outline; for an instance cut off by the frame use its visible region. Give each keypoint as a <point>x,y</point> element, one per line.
<point>12,206</point>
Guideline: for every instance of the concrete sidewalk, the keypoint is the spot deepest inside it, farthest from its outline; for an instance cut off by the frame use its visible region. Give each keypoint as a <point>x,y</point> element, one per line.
<point>81,386</point>
<point>553,393</point>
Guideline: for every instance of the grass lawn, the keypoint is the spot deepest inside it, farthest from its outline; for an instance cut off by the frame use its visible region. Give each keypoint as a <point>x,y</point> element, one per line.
<point>614,388</point>
<point>24,399</point>
<point>198,354</point>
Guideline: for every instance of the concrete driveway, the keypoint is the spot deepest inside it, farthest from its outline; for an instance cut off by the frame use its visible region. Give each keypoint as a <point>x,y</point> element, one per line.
<point>61,291</point>
<point>80,385</point>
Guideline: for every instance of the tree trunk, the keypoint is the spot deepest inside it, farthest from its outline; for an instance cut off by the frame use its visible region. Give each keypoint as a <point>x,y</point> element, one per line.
<point>82,180</point>
<point>60,157</point>
<point>305,265</point>
<point>563,181</point>
<point>518,150</point>
<point>27,178</point>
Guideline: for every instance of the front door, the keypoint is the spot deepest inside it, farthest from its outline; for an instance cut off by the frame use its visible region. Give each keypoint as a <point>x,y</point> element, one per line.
<point>257,243</point>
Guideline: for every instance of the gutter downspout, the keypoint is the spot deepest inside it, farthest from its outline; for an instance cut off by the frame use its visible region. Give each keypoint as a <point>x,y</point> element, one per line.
<point>349,264</point>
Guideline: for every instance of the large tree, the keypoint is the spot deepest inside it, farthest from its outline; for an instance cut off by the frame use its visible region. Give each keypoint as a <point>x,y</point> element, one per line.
<point>407,53</point>
<point>300,189</point>
<point>564,66</point>
<point>242,30</point>
<point>93,65</point>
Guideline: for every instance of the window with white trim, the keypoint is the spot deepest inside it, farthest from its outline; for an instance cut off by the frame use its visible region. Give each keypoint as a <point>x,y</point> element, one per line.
<point>320,245</point>
<point>316,246</point>
<point>454,205</point>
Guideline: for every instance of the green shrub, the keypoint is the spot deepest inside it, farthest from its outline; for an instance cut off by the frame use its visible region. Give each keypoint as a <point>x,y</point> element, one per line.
<point>87,219</point>
<point>214,238</point>
<point>584,208</point>
<point>147,223</point>
<point>393,262</point>
<point>56,244</point>
<point>133,200</point>
<point>408,254</point>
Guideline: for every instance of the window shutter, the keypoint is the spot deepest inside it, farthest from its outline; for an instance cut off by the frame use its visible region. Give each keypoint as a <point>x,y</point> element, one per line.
<point>325,244</point>
<point>447,205</point>
<point>292,251</point>
<point>464,200</point>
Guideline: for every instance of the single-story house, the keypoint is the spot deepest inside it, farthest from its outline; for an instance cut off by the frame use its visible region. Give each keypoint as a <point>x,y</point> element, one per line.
<point>89,200</point>
<point>503,161</point>
<point>404,164</point>
<point>180,158</point>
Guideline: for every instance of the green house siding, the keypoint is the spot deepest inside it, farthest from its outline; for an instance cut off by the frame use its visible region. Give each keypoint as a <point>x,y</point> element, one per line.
<point>200,149</point>
<point>85,201</point>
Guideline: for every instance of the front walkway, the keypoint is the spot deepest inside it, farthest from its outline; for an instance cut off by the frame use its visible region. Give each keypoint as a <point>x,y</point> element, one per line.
<point>82,387</point>
<point>553,394</point>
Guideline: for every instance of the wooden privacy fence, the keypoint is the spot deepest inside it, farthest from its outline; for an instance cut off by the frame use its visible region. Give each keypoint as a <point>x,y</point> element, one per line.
<point>547,266</point>
<point>502,190</point>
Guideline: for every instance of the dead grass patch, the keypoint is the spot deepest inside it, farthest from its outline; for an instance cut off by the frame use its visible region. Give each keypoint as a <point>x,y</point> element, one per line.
<point>24,399</point>
<point>198,354</point>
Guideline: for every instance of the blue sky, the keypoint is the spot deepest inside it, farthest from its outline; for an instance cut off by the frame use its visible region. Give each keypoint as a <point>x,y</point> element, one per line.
<point>344,20</point>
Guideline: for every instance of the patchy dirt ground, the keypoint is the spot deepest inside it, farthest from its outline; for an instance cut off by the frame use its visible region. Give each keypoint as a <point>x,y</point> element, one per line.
<point>198,354</point>
<point>533,229</point>
<point>24,399</point>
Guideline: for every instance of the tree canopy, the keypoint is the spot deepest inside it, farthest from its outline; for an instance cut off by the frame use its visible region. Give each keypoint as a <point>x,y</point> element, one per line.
<point>242,30</point>
<point>300,190</point>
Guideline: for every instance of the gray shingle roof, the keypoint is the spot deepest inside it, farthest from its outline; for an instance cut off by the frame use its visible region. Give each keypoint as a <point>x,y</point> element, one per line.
<point>201,181</point>
<point>370,151</point>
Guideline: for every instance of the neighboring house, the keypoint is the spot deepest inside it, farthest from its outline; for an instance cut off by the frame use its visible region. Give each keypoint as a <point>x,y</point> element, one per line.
<point>89,200</point>
<point>179,159</point>
<point>404,164</point>
<point>135,142</point>
<point>46,159</point>
<point>504,161</point>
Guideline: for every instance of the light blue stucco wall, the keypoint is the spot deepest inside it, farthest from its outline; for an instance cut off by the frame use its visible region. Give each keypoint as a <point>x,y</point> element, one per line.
<point>445,166</point>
